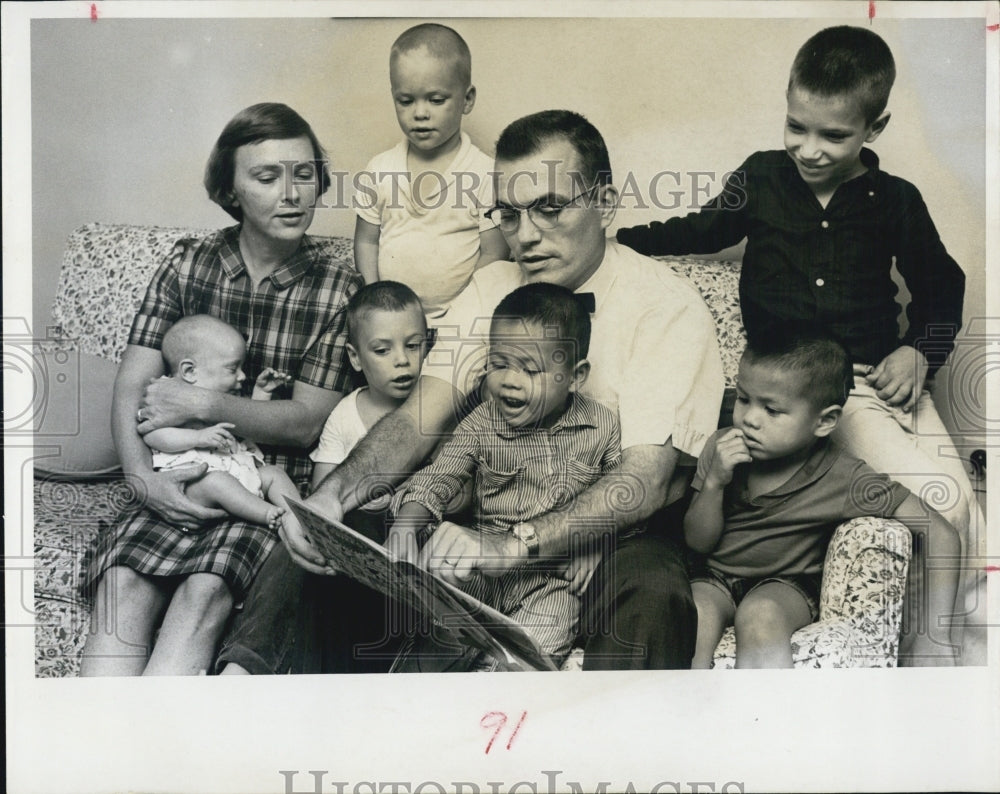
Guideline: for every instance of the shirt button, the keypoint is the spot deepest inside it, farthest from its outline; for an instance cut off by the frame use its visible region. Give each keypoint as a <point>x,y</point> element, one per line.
<point>820,282</point>
<point>825,224</point>
<point>871,193</point>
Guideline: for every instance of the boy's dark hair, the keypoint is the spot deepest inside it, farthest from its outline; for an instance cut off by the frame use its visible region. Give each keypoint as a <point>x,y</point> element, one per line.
<point>440,41</point>
<point>846,60</point>
<point>527,135</point>
<point>552,306</point>
<point>389,296</point>
<point>265,121</point>
<point>809,349</point>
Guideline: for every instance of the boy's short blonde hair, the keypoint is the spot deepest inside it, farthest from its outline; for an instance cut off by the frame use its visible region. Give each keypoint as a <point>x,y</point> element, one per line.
<point>846,60</point>
<point>441,42</point>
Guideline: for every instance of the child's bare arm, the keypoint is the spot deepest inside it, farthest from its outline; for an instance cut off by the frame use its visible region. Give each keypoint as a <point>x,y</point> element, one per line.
<point>320,471</point>
<point>366,249</point>
<point>268,382</point>
<point>704,520</point>
<point>181,439</point>
<point>492,247</point>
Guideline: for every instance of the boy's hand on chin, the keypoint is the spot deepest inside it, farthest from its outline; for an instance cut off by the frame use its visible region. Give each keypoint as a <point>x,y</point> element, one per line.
<point>899,377</point>
<point>730,451</point>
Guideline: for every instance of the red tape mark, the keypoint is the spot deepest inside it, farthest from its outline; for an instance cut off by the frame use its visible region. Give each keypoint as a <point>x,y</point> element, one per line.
<point>93,12</point>
<point>871,9</point>
<point>993,569</point>
<point>993,28</point>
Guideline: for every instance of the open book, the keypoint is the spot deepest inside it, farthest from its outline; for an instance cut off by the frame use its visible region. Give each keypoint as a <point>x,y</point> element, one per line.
<point>467,620</point>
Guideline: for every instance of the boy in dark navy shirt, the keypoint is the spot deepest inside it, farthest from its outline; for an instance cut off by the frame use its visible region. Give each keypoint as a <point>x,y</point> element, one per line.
<point>823,226</point>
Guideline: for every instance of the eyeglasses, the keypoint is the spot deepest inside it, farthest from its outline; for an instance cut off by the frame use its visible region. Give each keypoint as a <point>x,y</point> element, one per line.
<point>543,213</point>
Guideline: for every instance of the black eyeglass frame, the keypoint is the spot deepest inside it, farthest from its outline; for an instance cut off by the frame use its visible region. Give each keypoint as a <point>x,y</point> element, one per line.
<point>549,221</point>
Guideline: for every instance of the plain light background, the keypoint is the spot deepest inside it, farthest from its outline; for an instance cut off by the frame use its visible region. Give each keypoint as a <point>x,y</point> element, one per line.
<point>124,113</point>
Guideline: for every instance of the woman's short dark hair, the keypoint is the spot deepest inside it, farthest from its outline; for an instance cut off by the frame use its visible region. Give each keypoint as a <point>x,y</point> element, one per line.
<point>261,122</point>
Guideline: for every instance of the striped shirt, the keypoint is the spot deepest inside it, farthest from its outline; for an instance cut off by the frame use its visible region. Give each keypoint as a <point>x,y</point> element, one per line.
<point>520,473</point>
<point>293,320</point>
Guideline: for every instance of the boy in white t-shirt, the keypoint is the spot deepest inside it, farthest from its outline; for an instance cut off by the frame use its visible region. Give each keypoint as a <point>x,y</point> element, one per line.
<point>421,203</point>
<point>387,340</point>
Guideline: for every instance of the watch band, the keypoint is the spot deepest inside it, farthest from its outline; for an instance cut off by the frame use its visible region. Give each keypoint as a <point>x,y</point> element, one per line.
<point>526,533</point>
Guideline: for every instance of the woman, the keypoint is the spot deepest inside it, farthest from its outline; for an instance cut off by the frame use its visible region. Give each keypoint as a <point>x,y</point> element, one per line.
<point>175,560</point>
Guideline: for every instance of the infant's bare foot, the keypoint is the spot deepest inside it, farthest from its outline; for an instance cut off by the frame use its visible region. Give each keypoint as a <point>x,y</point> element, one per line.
<point>274,517</point>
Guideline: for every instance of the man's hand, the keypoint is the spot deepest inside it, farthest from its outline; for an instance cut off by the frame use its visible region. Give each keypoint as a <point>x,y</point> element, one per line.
<point>899,378</point>
<point>300,547</point>
<point>269,381</point>
<point>454,552</point>
<point>730,451</point>
<point>217,437</point>
<point>169,402</point>
<point>165,496</point>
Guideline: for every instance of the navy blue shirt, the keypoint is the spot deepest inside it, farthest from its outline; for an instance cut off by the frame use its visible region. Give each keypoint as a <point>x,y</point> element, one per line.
<point>831,266</point>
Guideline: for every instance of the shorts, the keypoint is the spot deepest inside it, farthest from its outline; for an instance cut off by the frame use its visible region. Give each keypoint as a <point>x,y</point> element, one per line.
<point>739,587</point>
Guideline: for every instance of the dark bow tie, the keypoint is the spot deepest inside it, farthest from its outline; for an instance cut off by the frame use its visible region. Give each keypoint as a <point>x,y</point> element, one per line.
<point>586,301</point>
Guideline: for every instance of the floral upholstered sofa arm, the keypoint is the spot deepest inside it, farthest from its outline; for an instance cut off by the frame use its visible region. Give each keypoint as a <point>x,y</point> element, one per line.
<point>861,602</point>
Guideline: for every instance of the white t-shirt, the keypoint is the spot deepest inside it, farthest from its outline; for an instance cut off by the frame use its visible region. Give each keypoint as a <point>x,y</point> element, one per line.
<point>429,244</point>
<point>342,431</point>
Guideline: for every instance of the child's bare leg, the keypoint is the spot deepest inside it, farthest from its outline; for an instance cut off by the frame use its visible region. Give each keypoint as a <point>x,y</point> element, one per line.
<point>218,489</point>
<point>715,615</point>
<point>765,621</point>
<point>127,609</point>
<point>277,486</point>
<point>192,627</point>
<point>932,584</point>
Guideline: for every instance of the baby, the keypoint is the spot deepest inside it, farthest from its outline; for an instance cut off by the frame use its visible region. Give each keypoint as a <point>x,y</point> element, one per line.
<point>204,351</point>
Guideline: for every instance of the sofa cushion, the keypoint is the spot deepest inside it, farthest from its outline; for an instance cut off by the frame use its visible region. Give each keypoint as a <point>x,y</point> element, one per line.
<point>72,421</point>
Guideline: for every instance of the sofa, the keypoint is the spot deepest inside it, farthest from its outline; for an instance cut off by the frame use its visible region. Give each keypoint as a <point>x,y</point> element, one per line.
<point>78,488</point>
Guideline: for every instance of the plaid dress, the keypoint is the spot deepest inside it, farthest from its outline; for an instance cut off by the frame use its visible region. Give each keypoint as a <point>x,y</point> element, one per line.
<point>293,321</point>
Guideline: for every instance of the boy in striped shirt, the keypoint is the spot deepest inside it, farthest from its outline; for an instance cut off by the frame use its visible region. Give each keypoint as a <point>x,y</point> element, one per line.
<point>530,448</point>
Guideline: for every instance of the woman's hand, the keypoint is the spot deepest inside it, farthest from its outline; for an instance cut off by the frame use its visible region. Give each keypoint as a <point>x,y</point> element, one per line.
<point>169,402</point>
<point>165,496</point>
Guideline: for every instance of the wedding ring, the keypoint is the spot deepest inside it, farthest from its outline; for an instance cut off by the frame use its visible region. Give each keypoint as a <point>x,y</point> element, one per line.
<point>138,415</point>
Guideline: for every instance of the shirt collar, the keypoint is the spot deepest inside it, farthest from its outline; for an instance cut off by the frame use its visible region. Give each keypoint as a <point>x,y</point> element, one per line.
<point>579,413</point>
<point>868,159</point>
<point>602,280</point>
<point>817,464</point>
<point>286,274</point>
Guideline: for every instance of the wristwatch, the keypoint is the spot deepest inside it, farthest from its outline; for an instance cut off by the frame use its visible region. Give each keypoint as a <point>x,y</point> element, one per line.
<point>526,533</point>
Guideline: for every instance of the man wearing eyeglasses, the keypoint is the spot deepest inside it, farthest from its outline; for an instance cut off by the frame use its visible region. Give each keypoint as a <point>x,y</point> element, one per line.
<point>654,358</point>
